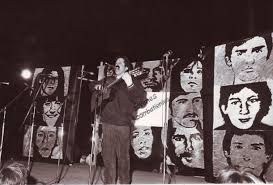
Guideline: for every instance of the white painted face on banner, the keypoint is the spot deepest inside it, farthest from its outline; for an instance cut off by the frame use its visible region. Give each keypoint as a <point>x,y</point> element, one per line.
<point>248,152</point>
<point>152,83</point>
<point>45,140</point>
<point>191,77</point>
<point>242,108</point>
<point>188,144</point>
<point>142,141</point>
<point>50,84</point>
<point>249,59</point>
<point>51,112</point>
<point>187,110</point>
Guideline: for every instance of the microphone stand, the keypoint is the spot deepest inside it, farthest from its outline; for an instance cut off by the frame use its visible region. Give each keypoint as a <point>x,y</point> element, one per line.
<point>2,134</point>
<point>4,110</point>
<point>58,174</point>
<point>95,136</point>
<point>32,106</point>
<point>167,71</point>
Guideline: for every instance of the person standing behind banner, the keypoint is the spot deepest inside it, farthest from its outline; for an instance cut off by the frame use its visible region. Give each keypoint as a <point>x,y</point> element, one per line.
<point>116,120</point>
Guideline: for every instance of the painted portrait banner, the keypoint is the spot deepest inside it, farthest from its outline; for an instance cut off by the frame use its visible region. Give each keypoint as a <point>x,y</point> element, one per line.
<point>152,79</point>
<point>185,141</point>
<point>242,107</point>
<point>55,96</point>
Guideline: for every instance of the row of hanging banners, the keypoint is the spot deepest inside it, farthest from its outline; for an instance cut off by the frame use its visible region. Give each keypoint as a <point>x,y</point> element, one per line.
<point>208,120</point>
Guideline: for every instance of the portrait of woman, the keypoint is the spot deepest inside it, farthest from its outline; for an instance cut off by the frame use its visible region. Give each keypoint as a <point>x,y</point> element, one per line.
<point>188,74</point>
<point>146,148</point>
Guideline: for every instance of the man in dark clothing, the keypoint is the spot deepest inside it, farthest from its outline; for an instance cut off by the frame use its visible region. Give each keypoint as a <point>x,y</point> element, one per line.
<point>116,120</point>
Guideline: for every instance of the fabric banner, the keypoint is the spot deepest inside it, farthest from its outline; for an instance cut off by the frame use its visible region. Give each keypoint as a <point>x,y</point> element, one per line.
<point>51,126</point>
<point>185,148</point>
<point>242,107</point>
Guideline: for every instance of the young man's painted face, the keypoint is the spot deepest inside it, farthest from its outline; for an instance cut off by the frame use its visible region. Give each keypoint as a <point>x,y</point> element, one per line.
<point>152,82</point>
<point>120,67</point>
<point>242,108</point>
<point>188,144</point>
<point>248,152</point>
<point>248,60</point>
<point>50,84</point>
<point>191,77</point>
<point>45,140</point>
<point>142,141</point>
<point>187,110</point>
<point>51,112</point>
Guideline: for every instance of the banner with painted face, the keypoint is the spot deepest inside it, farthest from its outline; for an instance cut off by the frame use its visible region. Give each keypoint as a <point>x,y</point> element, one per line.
<point>153,79</point>
<point>241,114</point>
<point>185,141</point>
<point>53,114</point>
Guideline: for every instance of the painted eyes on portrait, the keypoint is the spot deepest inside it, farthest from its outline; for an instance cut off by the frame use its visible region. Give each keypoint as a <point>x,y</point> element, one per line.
<point>144,133</point>
<point>48,103</point>
<point>189,70</point>
<point>240,52</point>
<point>236,101</point>
<point>253,146</point>
<point>42,134</point>
<point>197,100</point>
<point>135,135</point>
<point>258,49</point>
<point>147,133</point>
<point>178,138</point>
<point>53,104</point>
<point>183,101</point>
<point>196,137</point>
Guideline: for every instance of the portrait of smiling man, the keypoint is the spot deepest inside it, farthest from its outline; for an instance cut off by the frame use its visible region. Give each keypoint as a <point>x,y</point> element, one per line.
<point>247,58</point>
<point>244,106</point>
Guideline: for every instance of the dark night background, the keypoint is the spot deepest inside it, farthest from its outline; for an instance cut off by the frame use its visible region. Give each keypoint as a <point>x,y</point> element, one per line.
<point>39,33</point>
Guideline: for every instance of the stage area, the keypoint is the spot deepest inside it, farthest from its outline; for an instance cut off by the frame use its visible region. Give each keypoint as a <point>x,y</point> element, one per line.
<point>46,173</point>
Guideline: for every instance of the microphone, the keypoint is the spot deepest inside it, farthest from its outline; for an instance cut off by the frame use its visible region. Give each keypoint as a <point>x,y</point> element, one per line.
<point>87,72</point>
<point>168,53</point>
<point>4,83</point>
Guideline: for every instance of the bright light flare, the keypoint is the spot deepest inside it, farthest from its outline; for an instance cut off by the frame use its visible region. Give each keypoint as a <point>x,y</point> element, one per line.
<point>26,74</point>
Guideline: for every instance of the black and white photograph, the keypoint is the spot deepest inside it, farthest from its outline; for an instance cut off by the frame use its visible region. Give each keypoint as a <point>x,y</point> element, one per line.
<point>136,92</point>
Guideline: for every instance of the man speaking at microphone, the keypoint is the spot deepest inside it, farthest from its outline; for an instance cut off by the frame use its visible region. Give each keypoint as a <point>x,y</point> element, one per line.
<point>116,118</point>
